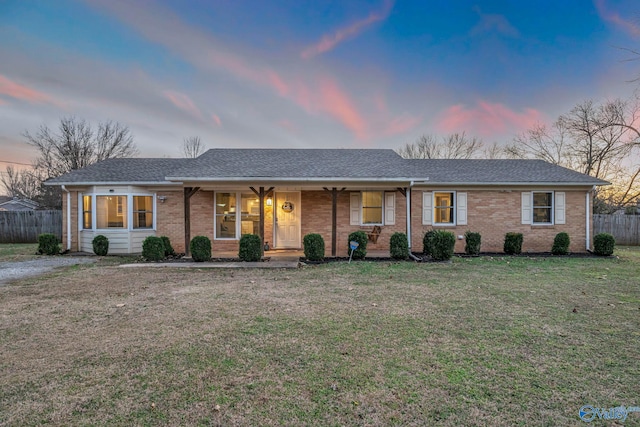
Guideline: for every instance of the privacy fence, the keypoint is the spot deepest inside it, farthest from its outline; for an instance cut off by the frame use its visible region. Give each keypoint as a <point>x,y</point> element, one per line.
<point>25,226</point>
<point>625,228</point>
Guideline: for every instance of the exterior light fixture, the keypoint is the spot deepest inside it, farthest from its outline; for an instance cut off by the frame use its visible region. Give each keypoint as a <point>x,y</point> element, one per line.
<point>269,201</point>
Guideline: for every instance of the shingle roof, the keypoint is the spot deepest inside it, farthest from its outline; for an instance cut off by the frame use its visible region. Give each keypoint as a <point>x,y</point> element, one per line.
<point>292,163</point>
<point>329,164</point>
<point>135,170</point>
<point>475,171</point>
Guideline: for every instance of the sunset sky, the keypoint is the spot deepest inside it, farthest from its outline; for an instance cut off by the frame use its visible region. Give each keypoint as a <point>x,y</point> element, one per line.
<point>307,74</point>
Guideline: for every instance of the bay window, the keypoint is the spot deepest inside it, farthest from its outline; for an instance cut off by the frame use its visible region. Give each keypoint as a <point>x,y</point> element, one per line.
<point>87,213</point>
<point>111,212</point>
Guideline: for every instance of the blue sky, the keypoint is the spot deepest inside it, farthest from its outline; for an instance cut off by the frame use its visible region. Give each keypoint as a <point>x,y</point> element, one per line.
<point>307,74</point>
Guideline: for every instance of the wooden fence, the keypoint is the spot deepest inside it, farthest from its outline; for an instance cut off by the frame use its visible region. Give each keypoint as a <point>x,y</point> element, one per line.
<point>25,226</point>
<point>625,228</point>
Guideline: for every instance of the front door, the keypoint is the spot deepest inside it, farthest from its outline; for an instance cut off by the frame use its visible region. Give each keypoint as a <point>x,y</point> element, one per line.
<point>287,219</point>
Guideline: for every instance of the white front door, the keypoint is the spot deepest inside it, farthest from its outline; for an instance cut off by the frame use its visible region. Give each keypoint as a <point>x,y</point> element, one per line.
<point>287,219</point>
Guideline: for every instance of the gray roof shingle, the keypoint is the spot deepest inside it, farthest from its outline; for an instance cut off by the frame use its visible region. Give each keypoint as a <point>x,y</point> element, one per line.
<point>329,164</point>
<point>133,170</point>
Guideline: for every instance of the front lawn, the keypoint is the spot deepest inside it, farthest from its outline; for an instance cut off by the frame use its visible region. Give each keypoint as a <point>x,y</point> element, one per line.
<point>481,341</point>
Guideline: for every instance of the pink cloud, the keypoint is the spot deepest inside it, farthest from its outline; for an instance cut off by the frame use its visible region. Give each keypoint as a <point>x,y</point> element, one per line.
<point>216,119</point>
<point>17,91</point>
<point>400,125</point>
<point>329,41</point>
<point>486,119</point>
<point>616,19</point>
<point>338,105</point>
<point>183,102</point>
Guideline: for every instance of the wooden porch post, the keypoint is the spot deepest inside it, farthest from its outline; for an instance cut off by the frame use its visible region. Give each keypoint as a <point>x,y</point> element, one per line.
<point>334,216</point>
<point>188,193</point>
<point>261,193</point>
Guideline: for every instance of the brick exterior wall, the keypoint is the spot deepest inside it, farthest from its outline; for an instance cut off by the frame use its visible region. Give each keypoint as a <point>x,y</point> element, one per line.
<point>493,213</point>
<point>170,218</point>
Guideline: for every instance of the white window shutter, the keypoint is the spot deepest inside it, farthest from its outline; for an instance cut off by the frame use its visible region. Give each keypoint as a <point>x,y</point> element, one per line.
<point>559,207</point>
<point>427,208</point>
<point>355,209</point>
<point>526,207</point>
<point>389,208</point>
<point>461,213</point>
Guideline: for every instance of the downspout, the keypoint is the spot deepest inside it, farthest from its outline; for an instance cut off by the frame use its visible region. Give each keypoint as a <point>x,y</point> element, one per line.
<point>588,216</point>
<point>68,217</point>
<point>408,200</point>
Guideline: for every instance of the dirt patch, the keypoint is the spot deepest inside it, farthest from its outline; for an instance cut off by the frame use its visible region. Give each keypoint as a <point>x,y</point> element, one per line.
<point>20,269</point>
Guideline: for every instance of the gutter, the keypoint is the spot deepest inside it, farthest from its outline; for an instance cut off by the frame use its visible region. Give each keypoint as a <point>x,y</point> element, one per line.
<point>68,217</point>
<point>588,216</point>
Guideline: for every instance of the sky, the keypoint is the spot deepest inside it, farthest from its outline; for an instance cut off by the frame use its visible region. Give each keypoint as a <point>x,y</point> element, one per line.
<point>307,74</point>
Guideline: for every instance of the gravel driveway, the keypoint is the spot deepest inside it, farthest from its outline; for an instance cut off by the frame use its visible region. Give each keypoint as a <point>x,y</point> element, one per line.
<point>20,269</point>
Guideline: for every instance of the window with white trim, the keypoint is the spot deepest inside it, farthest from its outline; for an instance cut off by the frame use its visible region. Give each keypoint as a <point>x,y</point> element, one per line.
<point>116,211</point>
<point>543,207</point>
<point>444,208</point>
<point>236,214</point>
<point>372,208</point>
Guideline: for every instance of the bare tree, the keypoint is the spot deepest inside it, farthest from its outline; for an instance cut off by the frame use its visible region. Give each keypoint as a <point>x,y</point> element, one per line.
<point>192,147</point>
<point>595,139</point>
<point>24,184</point>
<point>454,146</point>
<point>75,145</point>
<point>494,151</point>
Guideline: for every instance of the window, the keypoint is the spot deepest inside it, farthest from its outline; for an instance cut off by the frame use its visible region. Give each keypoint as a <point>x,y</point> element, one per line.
<point>225,215</point>
<point>443,208</point>
<point>230,225</point>
<point>86,213</point>
<point>372,207</point>
<point>542,207</point>
<point>111,211</point>
<point>142,212</point>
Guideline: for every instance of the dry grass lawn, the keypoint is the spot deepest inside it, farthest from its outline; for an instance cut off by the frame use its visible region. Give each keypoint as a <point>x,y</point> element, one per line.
<point>481,341</point>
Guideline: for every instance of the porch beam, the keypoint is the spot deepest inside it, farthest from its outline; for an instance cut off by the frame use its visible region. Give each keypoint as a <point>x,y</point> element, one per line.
<point>334,216</point>
<point>402,191</point>
<point>261,193</point>
<point>188,193</point>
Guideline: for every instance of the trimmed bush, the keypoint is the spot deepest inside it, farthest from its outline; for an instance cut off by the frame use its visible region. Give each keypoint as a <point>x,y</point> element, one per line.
<point>362,239</point>
<point>472,244</point>
<point>513,243</point>
<point>153,248</point>
<point>168,249</point>
<point>313,247</point>
<point>200,247</point>
<point>604,244</point>
<point>399,246</point>
<point>442,245</point>
<point>250,248</point>
<point>561,244</point>
<point>48,244</point>
<point>100,245</point>
<point>427,242</point>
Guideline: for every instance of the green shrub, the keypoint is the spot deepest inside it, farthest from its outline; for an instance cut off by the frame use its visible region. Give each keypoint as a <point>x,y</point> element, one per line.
<point>427,242</point>
<point>513,243</point>
<point>604,244</point>
<point>250,248</point>
<point>362,239</point>
<point>153,248</point>
<point>313,247</point>
<point>48,244</point>
<point>100,245</point>
<point>561,244</point>
<point>168,249</point>
<point>200,247</point>
<point>399,246</point>
<point>442,245</point>
<point>472,244</point>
